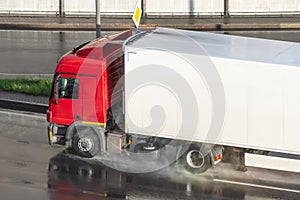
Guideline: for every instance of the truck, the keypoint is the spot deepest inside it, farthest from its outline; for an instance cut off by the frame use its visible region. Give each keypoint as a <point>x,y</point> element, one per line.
<point>181,96</point>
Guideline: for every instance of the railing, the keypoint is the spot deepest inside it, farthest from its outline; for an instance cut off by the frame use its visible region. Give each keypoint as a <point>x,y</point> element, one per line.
<point>153,7</point>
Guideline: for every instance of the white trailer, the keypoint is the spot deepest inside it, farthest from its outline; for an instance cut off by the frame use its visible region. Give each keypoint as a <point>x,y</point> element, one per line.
<point>214,89</point>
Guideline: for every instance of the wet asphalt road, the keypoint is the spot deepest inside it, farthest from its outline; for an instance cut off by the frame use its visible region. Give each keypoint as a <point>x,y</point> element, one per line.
<point>30,169</point>
<point>38,51</point>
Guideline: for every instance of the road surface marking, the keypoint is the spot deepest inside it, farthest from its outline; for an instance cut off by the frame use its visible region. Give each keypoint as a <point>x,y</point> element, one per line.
<point>258,186</point>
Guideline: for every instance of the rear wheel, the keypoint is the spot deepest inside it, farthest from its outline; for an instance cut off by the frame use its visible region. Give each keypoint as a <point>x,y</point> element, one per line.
<point>194,160</point>
<point>86,143</point>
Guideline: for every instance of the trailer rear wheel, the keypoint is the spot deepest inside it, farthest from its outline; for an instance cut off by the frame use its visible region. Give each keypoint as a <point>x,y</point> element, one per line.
<point>86,143</point>
<point>194,160</point>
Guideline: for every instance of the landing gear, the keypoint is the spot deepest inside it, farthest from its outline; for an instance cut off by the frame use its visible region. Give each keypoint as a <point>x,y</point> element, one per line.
<point>147,147</point>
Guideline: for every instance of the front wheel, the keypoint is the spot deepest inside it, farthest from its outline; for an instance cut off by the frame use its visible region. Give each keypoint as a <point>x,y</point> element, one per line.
<point>86,143</point>
<point>194,160</point>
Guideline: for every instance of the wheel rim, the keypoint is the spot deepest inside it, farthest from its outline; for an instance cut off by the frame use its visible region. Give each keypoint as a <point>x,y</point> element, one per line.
<point>195,159</point>
<point>85,144</point>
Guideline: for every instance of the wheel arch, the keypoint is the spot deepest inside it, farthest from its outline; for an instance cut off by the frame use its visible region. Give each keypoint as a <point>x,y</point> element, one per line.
<point>97,130</point>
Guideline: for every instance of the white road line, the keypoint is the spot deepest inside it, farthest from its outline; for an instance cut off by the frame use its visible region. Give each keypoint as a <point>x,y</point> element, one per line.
<point>257,186</point>
<point>22,115</point>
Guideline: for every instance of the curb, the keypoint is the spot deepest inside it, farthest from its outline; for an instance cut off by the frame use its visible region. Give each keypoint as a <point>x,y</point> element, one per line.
<point>26,75</point>
<point>23,106</point>
<point>118,27</point>
<point>72,27</point>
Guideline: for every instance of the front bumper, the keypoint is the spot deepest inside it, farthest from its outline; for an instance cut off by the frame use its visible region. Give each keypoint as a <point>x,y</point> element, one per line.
<point>56,134</point>
<point>50,133</point>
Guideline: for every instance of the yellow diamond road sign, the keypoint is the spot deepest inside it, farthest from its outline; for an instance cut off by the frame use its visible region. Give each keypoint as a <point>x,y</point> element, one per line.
<point>137,15</point>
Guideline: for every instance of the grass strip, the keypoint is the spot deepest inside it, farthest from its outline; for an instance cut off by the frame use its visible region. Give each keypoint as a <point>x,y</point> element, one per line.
<point>33,86</point>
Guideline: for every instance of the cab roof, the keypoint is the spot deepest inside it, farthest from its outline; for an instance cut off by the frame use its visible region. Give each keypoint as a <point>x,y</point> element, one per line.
<point>91,57</point>
<point>102,47</point>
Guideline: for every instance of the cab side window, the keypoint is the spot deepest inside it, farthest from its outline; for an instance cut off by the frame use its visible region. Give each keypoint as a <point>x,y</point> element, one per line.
<point>68,88</point>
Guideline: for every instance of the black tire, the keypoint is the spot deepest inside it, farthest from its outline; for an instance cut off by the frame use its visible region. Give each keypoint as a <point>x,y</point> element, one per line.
<point>85,142</point>
<point>145,147</point>
<point>194,161</point>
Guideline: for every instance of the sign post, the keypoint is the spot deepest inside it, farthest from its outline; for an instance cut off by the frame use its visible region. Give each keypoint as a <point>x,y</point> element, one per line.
<point>61,7</point>
<point>98,21</point>
<point>226,8</point>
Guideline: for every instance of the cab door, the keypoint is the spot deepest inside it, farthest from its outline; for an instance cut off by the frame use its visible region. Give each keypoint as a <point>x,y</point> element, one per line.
<point>89,99</point>
<point>66,99</point>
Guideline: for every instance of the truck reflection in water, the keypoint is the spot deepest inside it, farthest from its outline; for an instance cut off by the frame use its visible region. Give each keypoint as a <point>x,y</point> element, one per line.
<point>71,177</point>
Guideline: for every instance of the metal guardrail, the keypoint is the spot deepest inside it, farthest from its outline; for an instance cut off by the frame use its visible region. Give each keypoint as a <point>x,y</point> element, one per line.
<point>23,106</point>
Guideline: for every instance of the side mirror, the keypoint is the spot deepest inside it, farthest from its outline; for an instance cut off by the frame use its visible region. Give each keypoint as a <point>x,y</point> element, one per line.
<point>64,84</point>
<point>56,91</point>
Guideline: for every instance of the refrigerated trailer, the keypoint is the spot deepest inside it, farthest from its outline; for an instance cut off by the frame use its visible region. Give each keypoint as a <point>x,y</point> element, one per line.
<point>194,91</point>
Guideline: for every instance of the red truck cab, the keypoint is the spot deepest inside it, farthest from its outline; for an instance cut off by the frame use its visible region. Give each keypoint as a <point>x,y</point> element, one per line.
<point>83,83</point>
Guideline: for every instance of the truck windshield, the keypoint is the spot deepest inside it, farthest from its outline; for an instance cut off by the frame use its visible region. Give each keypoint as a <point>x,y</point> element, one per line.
<point>68,88</point>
